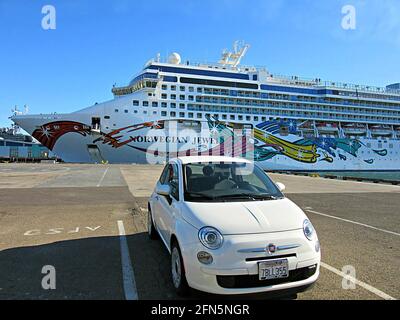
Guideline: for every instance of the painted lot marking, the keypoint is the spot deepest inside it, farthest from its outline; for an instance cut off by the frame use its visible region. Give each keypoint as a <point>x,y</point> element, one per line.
<point>127,270</point>
<point>353,222</point>
<point>364,285</point>
<point>102,177</point>
<point>53,231</point>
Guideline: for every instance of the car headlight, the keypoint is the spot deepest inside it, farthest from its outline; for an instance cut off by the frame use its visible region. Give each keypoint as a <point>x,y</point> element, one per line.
<point>211,238</point>
<point>308,229</point>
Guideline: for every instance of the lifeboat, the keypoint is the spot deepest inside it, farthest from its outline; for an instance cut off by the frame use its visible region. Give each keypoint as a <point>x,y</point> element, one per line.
<point>354,128</point>
<point>327,127</point>
<point>381,130</point>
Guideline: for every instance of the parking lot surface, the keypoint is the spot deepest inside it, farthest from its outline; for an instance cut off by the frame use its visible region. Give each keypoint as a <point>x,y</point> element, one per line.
<point>89,222</point>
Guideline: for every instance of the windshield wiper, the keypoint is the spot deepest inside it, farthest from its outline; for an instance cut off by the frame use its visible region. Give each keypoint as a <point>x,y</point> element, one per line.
<point>199,194</point>
<point>253,197</point>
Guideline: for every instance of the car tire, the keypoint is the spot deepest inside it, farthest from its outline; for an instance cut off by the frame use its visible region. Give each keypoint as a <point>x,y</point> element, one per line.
<point>178,276</point>
<point>151,229</point>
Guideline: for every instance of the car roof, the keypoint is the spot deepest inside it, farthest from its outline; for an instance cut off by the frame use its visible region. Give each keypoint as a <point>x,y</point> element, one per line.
<point>197,159</point>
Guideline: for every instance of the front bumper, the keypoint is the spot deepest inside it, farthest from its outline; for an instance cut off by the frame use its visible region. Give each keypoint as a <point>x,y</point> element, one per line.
<point>235,271</point>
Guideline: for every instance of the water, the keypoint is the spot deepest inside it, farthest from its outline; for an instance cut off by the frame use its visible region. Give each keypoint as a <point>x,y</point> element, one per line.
<point>381,175</point>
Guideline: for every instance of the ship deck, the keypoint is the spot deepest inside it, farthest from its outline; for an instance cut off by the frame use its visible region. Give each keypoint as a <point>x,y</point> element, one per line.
<point>70,216</point>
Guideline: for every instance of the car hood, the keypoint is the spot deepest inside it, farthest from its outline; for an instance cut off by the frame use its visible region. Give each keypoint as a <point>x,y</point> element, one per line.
<point>245,217</point>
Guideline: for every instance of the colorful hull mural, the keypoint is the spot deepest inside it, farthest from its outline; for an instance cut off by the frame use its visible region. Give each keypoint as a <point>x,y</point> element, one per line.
<point>276,145</point>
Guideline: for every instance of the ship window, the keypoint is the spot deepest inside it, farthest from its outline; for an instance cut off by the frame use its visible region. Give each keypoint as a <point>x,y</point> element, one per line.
<point>172,113</point>
<point>116,110</point>
<point>173,105</point>
<point>248,118</point>
<point>145,112</point>
<point>190,114</point>
<point>164,87</point>
<point>220,83</point>
<point>154,112</point>
<point>164,96</point>
<point>191,89</point>
<point>199,116</point>
<point>135,102</point>
<point>191,98</point>
<point>182,97</point>
<point>255,118</point>
<point>181,114</point>
<point>145,103</point>
<point>182,88</point>
<point>106,117</point>
<point>263,118</point>
<point>255,77</point>
<point>173,96</point>
<point>149,94</point>
<point>14,144</point>
<point>154,104</point>
<point>284,131</point>
<point>135,111</point>
<point>232,117</point>
<point>181,106</point>
<point>240,117</point>
<point>224,116</point>
<point>173,88</point>
<point>199,90</point>
<point>163,104</point>
<point>164,113</point>
<point>126,111</point>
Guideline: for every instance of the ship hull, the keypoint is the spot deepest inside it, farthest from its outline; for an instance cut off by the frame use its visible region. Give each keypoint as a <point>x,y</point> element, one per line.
<point>72,138</point>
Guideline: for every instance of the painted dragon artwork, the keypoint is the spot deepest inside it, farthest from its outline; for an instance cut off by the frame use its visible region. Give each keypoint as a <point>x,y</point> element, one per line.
<point>265,143</point>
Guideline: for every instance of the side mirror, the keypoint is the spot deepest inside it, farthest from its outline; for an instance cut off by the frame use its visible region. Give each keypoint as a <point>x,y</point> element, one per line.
<point>280,186</point>
<point>163,189</point>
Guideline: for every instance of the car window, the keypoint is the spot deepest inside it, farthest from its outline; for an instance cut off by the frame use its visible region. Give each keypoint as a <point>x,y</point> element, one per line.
<point>164,175</point>
<point>227,181</point>
<point>174,181</point>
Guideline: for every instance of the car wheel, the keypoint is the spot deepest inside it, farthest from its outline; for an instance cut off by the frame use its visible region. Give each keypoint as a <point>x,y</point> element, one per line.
<point>151,230</point>
<point>178,271</point>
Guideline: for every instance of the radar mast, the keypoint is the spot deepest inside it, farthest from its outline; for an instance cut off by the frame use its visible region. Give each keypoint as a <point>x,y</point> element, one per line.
<point>233,58</point>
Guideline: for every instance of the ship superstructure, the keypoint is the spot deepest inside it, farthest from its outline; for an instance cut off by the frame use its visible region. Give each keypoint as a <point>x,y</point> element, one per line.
<point>290,123</point>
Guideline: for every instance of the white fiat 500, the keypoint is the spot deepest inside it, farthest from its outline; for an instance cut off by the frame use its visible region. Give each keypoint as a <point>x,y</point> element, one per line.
<point>230,230</point>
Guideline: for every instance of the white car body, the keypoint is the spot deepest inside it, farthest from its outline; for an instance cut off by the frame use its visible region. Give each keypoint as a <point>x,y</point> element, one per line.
<point>248,228</point>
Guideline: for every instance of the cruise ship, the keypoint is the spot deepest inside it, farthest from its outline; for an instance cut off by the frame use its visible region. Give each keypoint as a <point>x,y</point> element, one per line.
<point>173,108</point>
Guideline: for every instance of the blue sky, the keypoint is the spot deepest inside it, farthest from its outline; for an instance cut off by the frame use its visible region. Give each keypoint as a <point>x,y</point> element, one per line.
<point>98,43</point>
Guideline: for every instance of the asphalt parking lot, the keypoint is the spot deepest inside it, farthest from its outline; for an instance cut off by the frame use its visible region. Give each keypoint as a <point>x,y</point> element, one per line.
<point>89,222</point>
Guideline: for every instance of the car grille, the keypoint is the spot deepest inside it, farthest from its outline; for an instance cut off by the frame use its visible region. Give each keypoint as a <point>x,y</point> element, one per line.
<point>252,281</point>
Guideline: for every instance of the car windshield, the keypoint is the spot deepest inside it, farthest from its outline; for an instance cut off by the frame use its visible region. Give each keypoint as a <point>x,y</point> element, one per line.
<point>222,181</point>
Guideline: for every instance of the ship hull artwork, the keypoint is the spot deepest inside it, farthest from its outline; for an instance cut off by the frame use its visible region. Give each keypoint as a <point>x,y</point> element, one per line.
<point>274,145</point>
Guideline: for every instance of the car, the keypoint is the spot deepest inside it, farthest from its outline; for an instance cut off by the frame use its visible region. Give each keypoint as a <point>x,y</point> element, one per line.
<point>230,230</point>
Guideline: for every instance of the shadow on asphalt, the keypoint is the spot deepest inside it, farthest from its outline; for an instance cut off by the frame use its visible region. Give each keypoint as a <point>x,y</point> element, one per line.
<point>90,268</point>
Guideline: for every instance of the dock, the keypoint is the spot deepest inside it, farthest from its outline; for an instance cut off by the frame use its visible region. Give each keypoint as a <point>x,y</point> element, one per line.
<point>74,217</point>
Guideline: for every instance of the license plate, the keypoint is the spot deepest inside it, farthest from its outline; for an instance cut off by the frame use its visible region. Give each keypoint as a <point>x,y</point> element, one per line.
<point>273,269</point>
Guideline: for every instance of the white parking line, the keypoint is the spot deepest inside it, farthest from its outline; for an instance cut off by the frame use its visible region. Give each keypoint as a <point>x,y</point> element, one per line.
<point>127,270</point>
<point>364,285</point>
<point>354,222</point>
<point>102,177</point>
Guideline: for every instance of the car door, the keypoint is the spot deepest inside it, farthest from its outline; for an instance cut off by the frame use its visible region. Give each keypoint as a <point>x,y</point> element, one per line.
<point>170,204</point>
<point>174,204</point>
<point>159,207</point>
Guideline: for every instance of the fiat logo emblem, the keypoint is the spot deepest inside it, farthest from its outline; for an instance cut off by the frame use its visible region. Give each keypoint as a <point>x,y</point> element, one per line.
<point>271,248</point>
